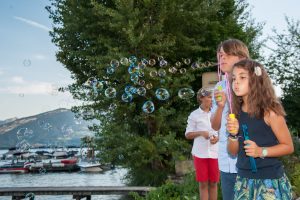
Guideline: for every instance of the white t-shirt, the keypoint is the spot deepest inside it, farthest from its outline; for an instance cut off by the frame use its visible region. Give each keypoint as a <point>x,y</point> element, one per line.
<point>199,120</point>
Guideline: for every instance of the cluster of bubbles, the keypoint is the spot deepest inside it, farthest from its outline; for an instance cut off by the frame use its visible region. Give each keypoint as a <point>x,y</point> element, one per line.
<point>23,137</point>
<point>137,85</point>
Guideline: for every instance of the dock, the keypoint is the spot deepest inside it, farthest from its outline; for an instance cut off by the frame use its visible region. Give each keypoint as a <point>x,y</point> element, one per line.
<point>78,193</point>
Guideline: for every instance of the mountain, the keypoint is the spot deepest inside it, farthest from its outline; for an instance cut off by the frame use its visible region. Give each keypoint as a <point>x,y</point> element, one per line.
<point>54,128</point>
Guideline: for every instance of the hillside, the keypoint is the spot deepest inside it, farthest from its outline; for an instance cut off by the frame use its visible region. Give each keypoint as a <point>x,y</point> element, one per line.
<point>54,128</point>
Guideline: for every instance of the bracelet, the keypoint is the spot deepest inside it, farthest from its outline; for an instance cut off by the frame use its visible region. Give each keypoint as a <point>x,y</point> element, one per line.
<point>233,137</point>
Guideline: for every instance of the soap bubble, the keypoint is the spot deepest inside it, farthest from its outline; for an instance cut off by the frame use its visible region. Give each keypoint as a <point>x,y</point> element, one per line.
<point>149,86</point>
<point>114,63</point>
<point>26,62</point>
<point>172,70</point>
<point>92,81</point>
<point>153,73</point>
<point>162,94</point>
<point>110,92</point>
<point>23,145</point>
<point>132,69</point>
<point>186,93</point>
<point>126,97</point>
<point>24,133</point>
<point>148,107</point>
<point>187,61</point>
<point>152,62</point>
<point>163,63</point>
<point>182,71</point>
<point>67,130</point>
<point>141,91</point>
<point>132,59</point>
<point>161,73</point>
<point>195,65</point>
<point>134,77</point>
<point>124,61</point>
<point>130,89</point>
<point>99,85</point>
<point>141,82</point>
<point>178,64</point>
<point>30,196</point>
<point>110,70</point>
<point>141,65</point>
<point>144,61</point>
<point>160,58</point>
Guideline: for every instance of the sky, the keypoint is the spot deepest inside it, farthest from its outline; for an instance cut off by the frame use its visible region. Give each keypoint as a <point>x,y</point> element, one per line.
<point>29,72</point>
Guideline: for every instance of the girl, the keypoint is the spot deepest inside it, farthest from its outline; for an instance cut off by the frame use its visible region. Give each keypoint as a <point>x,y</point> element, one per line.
<point>258,136</point>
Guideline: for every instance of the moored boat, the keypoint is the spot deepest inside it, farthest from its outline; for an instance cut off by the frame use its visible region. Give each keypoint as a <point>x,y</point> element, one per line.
<point>13,168</point>
<point>90,167</point>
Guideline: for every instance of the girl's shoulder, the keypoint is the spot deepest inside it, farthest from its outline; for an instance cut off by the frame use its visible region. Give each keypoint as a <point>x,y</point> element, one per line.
<point>272,117</point>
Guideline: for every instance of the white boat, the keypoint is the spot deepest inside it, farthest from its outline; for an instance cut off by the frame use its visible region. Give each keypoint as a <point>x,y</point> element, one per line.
<point>90,167</point>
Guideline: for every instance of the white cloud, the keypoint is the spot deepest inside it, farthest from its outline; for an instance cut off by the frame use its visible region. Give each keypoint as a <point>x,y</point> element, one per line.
<point>33,23</point>
<point>17,79</point>
<point>34,87</point>
<point>40,57</point>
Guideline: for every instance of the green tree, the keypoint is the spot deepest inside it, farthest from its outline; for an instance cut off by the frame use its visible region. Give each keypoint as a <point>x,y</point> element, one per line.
<point>284,63</point>
<point>93,35</point>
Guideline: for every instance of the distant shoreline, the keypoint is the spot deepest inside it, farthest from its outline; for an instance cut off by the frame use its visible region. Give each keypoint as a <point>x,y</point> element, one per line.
<point>43,147</point>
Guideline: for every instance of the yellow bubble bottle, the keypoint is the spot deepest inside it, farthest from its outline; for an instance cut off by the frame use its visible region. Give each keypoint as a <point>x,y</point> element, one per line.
<point>232,116</point>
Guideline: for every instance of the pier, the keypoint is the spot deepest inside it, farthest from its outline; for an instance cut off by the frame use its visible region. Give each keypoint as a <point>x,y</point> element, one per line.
<point>78,193</point>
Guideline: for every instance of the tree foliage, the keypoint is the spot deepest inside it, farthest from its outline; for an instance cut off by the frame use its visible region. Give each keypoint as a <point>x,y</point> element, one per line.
<point>284,67</point>
<point>92,33</point>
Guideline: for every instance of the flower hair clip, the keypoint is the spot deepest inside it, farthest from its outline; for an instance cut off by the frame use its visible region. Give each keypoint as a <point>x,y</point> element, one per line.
<point>257,71</point>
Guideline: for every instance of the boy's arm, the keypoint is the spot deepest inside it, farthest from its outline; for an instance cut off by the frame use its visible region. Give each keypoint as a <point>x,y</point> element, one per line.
<point>216,118</point>
<point>193,135</point>
<point>218,106</point>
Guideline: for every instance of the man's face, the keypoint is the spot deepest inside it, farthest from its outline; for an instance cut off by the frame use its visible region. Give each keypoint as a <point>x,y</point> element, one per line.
<point>227,61</point>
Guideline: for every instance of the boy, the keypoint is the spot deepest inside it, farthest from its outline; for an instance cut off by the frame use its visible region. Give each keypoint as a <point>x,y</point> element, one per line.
<point>229,52</point>
<point>205,147</point>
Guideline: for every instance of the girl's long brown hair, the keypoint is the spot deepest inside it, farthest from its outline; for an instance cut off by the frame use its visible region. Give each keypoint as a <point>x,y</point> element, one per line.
<point>261,97</point>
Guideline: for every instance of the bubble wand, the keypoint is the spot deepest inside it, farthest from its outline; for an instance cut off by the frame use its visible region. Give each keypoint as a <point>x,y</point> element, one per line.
<point>252,160</point>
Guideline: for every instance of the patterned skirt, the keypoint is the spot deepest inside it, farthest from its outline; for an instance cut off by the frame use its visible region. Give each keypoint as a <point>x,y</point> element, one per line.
<point>262,189</point>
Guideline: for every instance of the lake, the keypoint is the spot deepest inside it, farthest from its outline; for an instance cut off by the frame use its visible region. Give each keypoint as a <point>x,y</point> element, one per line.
<point>107,178</point>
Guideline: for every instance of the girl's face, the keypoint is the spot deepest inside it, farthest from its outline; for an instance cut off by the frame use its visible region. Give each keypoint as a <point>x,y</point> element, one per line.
<point>240,82</point>
<point>226,61</point>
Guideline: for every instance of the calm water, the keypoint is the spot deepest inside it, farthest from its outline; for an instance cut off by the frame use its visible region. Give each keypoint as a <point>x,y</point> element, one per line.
<point>107,178</point>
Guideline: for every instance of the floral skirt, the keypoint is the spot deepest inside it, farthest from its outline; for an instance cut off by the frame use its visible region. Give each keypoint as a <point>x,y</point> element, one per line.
<point>262,189</point>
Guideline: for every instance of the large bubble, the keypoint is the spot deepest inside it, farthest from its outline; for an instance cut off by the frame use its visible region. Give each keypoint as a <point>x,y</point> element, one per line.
<point>132,59</point>
<point>148,107</point>
<point>130,89</point>
<point>186,93</point>
<point>162,94</point>
<point>141,91</point>
<point>114,63</point>
<point>110,92</point>
<point>124,61</point>
<point>152,62</point>
<point>127,97</point>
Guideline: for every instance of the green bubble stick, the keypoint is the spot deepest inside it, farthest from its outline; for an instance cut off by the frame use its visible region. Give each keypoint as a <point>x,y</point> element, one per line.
<point>219,97</point>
